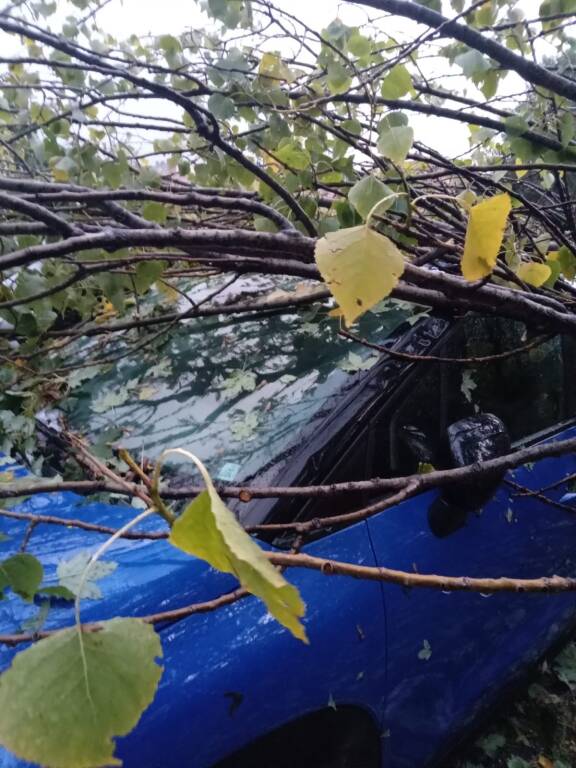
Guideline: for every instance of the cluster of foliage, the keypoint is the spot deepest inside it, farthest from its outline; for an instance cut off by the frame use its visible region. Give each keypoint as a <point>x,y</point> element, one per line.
<point>134,171</point>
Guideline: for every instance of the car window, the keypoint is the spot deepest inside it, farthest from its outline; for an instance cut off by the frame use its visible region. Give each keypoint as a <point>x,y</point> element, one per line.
<point>531,392</point>
<point>237,395</point>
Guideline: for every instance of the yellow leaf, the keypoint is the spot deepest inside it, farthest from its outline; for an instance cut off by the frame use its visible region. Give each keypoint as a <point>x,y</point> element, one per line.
<point>147,392</point>
<point>467,198</point>
<point>360,267</point>
<point>167,291</point>
<point>522,171</point>
<point>104,312</point>
<point>545,762</point>
<point>210,531</point>
<point>534,273</point>
<point>484,236</point>
<point>272,66</point>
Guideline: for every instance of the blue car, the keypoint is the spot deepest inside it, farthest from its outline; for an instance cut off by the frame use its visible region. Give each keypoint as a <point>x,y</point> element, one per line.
<point>392,676</point>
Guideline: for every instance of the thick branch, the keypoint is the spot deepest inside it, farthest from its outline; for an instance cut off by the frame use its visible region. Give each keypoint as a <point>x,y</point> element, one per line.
<point>527,69</point>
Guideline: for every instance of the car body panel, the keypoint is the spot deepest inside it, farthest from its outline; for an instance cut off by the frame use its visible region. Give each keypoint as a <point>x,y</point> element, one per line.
<point>221,670</point>
<point>450,652</point>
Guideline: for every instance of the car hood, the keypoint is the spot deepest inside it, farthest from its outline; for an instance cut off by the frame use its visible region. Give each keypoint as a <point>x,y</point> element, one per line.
<point>149,577</point>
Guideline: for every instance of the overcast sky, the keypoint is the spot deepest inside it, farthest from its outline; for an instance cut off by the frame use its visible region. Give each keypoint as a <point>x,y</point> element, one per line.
<point>123,18</point>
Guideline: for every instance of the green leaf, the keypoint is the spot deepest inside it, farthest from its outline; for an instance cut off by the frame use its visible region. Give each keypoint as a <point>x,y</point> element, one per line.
<point>22,573</point>
<point>484,236</point>
<point>337,78</point>
<point>392,120</point>
<point>567,126</point>
<point>367,192</point>
<point>62,168</point>
<point>70,574</point>
<point>360,267</point>
<point>221,106</point>
<point>65,698</point>
<point>169,44</point>
<point>566,260</point>
<point>112,173</point>
<point>61,593</point>
<point>534,273</point>
<point>489,83</point>
<point>153,211</point>
<point>294,156</point>
<point>397,83</point>
<point>395,143</point>
<point>516,125</point>
<point>359,45</point>
<point>492,743</point>
<point>147,272</point>
<point>472,63</point>
<point>208,530</point>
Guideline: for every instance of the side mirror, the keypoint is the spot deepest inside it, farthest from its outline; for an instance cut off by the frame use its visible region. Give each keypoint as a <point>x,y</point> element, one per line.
<point>470,440</point>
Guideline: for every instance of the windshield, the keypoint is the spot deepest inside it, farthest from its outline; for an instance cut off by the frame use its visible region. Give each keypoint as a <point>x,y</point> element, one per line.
<point>235,394</point>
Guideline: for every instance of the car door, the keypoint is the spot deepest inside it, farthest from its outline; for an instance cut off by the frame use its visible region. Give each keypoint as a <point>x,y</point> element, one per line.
<point>448,654</point>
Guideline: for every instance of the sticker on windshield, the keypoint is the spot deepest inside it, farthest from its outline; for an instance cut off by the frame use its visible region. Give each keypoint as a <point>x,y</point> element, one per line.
<point>228,471</point>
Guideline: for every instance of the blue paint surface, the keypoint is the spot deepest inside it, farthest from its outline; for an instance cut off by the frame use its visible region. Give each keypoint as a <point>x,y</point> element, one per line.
<point>422,663</point>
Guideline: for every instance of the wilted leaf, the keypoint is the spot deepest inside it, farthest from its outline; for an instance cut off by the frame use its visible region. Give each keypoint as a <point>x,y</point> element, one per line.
<point>545,762</point>
<point>108,400</point>
<point>239,381</point>
<point>425,653</point>
<point>367,192</point>
<point>22,573</point>
<point>534,273</point>
<point>244,428</point>
<point>70,574</point>
<point>468,385</point>
<point>354,363</point>
<point>65,698</point>
<point>147,392</point>
<point>208,530</point>
<point>484,235</point>
<point>360,267</point>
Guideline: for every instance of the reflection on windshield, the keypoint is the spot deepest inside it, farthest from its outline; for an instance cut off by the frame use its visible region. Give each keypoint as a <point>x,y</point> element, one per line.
<point>235,395</point>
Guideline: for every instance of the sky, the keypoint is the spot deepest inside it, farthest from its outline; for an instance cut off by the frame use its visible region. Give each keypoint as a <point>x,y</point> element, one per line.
<point>123,18</point>
<point>126,17</point>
